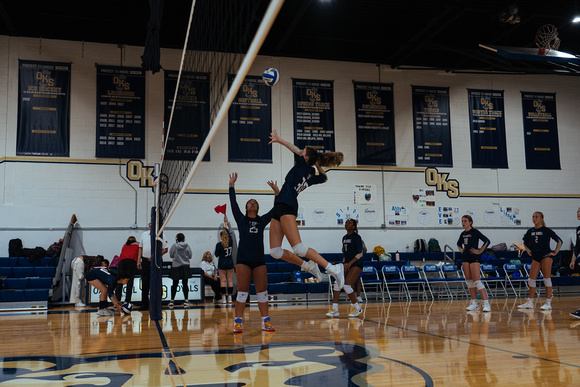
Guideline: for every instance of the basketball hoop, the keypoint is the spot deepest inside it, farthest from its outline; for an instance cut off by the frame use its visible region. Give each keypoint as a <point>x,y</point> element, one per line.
<point>547,39</point>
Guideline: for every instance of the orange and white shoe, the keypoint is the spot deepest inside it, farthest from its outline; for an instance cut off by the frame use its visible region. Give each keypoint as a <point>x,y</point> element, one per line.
<point>267,325</point>
<point>238,325</point>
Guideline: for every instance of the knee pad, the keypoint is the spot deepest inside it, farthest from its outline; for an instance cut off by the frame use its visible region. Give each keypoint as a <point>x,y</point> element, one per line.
<point>262,296</point>
<point>479,285</point>
<point>548,282</point>
<point>277,252</point>
<point>470,283</point>
<point>335,287</point>
<point>531,283</point>
<point>242,297</point>
<point>300,250</point>
<point>348,289</point>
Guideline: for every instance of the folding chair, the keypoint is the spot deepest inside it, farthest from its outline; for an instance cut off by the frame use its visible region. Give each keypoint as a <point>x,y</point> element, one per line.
<point>453,276</point>
<point>515,276</point>
<point>412,276</point>
<point>370,277</point>
<point>489,277</point>
<point>392,276</point>
<point>435,279</point>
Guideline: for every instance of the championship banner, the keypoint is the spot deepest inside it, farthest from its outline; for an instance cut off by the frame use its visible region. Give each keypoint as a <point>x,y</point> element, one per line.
<point>313,114</point>
<point>43,109</point>
<point>487,124</point>
<point>250,122</point>
<point>540,130</point>
<point>191,119</point>
<point>120,112</point>
<point>375,123</point>
<point>432,126</point>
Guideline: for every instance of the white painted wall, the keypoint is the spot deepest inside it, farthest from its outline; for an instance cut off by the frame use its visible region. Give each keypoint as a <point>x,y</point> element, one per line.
<point>38,196</point>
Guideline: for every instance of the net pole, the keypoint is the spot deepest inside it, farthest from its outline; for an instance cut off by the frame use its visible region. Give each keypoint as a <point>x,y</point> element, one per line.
<point>259,38</point>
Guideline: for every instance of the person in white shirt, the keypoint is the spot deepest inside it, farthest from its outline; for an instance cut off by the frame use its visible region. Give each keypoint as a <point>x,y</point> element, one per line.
<point>211,275</point>
<point>144,266</point>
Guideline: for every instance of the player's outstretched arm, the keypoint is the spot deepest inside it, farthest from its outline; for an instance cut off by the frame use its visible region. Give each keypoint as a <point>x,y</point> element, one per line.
<point>274,186</point>
<point>275,138</point>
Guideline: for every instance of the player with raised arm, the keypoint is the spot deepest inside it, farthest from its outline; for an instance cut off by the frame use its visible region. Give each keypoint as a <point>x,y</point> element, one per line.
<point>251,262</point>
<point>300,177</point>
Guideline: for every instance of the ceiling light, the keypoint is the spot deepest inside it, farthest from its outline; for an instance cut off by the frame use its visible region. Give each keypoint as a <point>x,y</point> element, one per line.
<point>576,19</point>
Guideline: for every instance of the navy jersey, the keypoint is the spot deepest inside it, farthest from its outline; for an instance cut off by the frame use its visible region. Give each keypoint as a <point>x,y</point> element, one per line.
<point>538,241</point>
<point>107,276</point>
<point>300,177</point>
<point>251,246</point>
<point>224,255</point>
<point>469,239</point>
<point>351,246</point>
<point>577,245</point>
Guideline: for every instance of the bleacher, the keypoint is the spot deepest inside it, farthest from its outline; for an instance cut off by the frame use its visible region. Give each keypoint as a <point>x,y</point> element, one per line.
<point>26,286</point>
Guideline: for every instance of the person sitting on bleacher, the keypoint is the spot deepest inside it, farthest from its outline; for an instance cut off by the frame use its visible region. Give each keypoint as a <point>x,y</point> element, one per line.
<point>211,277</point>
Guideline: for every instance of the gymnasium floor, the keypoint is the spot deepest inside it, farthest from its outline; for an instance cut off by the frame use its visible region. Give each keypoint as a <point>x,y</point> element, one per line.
<point>421,343</point>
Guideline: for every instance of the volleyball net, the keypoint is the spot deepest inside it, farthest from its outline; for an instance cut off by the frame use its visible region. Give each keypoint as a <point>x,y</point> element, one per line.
<point>223,38</point>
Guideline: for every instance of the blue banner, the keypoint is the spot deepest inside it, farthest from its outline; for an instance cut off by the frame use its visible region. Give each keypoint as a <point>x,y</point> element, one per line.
<point>190,123</point>
<point>250,122</point>
<point>43,109</point>
<point>375,123</point>
<point>432,126</point>
<point>540,130</point>
<point>120,112</point>
<point>487,124</point>
<point>313,114</point>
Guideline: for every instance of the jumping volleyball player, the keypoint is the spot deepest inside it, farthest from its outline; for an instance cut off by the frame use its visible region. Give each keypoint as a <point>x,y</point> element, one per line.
<point>285,210</point>
<point>251,262</point>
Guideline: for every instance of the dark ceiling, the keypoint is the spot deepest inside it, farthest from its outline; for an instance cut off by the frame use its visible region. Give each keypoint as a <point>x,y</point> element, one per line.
<point>442,34</point>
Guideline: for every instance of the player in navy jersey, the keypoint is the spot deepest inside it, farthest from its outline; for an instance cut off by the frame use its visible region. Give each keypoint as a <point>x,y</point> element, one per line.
<point>352,250</point>
<point>250,260</point>
<point>575,256</point>
<point>300,177</point>
<point>106,280</point>
<point>537,244</point>
<point>468,243</point>
<point>223,253</point>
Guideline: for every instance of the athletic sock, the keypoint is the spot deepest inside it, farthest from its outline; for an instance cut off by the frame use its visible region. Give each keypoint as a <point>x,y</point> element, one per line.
<point>224,291</point>
<point>328,266</point>
<point>230,291</point>
<point>335,307</point>
<point>103,304</point>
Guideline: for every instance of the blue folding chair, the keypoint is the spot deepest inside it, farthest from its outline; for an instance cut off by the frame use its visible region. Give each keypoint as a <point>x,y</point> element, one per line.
<point>435,279</point>
<point>412,276</point>
<point>392,277</point>
<point>492,280</point>
<point>456,278</point>
<point>370,277</point>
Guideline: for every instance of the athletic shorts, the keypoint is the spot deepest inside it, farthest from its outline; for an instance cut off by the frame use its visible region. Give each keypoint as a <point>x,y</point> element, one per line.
<point>539,258</point>
<point>281,209</point>
<point>252,264</point>
<point>472,258</point>
<point>357,263</point>
<point>226,263</point>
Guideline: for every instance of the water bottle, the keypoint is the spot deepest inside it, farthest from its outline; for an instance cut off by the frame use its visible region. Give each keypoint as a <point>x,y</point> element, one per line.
<point>397,255</point>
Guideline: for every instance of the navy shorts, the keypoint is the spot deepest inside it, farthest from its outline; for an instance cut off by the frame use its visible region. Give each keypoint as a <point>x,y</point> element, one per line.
<point>252,264</point>
<point>281,209</point>
<point>472,259</point>
<point>538,258</point>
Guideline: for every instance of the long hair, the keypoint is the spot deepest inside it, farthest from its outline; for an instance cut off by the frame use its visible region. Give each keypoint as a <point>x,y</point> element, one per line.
<point>131,240</point>
<point>468,217</point>
<point>541,216</point>
<point>355,224</point>
<point>224,236</point>
<point>205,258</point>
<point>328,159</point>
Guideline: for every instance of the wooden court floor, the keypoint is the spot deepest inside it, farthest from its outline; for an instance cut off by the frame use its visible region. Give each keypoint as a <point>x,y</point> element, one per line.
<point>419,343</point>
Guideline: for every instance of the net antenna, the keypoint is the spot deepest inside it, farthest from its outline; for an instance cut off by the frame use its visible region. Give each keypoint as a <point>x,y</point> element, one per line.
<point>223,37</point>
<point>547,39</point>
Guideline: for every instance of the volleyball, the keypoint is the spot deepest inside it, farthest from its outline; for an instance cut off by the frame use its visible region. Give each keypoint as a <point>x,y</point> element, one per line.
<point>127,307</point>
<point>270,76</point>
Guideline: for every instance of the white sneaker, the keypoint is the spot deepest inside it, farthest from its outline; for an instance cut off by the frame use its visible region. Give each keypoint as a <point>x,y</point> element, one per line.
<point>486,308</point>
<point>105,312</point>
<point>359,299</point>
<point>222,300</point>
<point>527,305</point>
<point>355,312</point>
<point>171,304</point>
<point>186,303</point>
<point>80,304</point>
<point>312,268</point>
<point>332,313</point>
<point>337,271</point>
<point>546,306</point>
<point>229,299</point>
<point>473,306</point>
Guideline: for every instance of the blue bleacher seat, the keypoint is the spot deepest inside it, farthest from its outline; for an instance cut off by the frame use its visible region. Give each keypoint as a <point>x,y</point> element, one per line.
<point>39,283</point>
<point>286,266</point>
<point>279,288</point>
<point>16,283</point>
<point>297,287</point>
<point>5,272</point>
<point>4,262</point>
<point>44,271</point>
<point>22,272</point>
<point>318,287</point>
<point>36,294</point>
<point>13,295</point>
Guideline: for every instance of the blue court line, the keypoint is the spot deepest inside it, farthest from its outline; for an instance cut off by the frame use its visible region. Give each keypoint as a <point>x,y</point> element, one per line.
<point>470,343</point>
<point>425,375</point>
